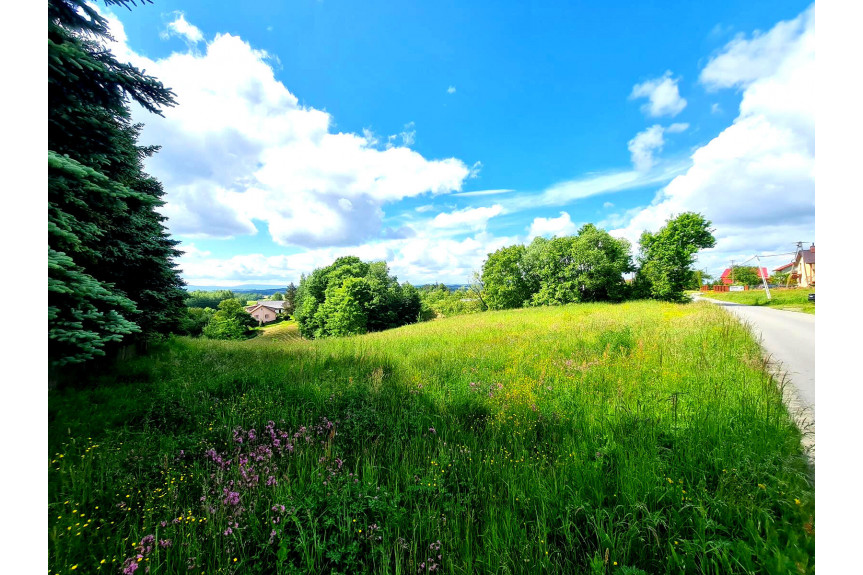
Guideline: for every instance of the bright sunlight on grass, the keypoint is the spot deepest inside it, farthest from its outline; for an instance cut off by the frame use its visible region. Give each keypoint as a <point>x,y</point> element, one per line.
<point>787,299</point>
<point>634,438</point>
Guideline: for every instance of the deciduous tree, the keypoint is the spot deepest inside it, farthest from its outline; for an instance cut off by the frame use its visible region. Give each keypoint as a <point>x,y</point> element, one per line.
<point>350,297</point>
<point>503,278</point>
<point>667,256</point>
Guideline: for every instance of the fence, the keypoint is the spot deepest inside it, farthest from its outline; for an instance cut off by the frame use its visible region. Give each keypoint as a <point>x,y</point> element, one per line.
<point>722,288</point>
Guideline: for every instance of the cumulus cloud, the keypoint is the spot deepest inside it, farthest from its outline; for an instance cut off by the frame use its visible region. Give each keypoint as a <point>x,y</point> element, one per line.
<point>645,143</point>
<point>450,90</point>
<point>239,148</point>
<point>420,259</point>
<point>663,96</point>
<point>468,218</point>
<point>746,60</point>
<point>180,27</point>
<point>547,227</point>
<point>756,180</point>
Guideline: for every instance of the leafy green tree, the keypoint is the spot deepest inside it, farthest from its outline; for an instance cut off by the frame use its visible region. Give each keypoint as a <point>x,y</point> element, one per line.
<point>196,320</point>
<point>202,299</point>
<point>278,296</point>
<point>503,279</point>
<point>290,298</point>
<point>779,278</point>
<point>344,311</point>
<point>351,296</point>
<point>667,256</point>
<point>231,321</point>
<point>746,275</point>
<point>586,267</point>
<point>699,278</point>
<point>439,300</point>
<point>110,261</point>
<point>409,307</point>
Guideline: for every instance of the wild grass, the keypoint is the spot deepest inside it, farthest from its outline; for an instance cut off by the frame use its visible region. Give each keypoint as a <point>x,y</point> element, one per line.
<point>283,331</point>
<point>787,299</point>
<point>634,438</point>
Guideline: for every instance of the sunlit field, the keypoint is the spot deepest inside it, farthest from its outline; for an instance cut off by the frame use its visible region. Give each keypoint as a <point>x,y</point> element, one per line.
<point>787,299</point>
<point>634,438</point>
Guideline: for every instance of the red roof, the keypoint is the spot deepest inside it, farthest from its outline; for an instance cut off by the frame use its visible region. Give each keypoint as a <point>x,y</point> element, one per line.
<point>785,267</point>
<point>726,275</point>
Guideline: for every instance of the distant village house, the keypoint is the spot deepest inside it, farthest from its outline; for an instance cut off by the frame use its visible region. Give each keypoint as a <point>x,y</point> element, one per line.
<point>726,277</point>
<point>801,272</point>
<point>266,311</point>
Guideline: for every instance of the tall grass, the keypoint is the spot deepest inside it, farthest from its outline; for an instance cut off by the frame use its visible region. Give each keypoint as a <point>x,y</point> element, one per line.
<point>634,438</point>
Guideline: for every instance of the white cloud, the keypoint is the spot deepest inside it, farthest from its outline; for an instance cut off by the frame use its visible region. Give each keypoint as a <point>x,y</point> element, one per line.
<point>409,134</point>
<point>744,61</point>
<point>180,27</point>
<point>560,226</point>
<point>483,193</point>
<point>450,90</point>
<point>662,94</point>
<point>466,219</point>
<point>192,251</point>
<point>645,143</point>
<point>756,180</point>
<point>239,148</point>
<point>642,146</point>
<point>715,108</point>
<point>420,259</point>
<point>564,193</point>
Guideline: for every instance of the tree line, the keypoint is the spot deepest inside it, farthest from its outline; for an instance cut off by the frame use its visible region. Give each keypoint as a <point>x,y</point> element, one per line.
<point>590,266</point>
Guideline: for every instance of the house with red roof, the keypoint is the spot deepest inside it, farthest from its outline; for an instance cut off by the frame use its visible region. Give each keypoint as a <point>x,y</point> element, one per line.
<point>725,278</point>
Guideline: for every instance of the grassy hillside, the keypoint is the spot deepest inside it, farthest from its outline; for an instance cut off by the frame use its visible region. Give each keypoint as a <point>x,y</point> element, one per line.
<point>576,439</point>
<point>787,299</point>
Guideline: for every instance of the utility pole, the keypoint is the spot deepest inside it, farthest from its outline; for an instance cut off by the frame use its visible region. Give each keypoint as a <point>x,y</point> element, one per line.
<point>763,279</point>
<point>732,272</point>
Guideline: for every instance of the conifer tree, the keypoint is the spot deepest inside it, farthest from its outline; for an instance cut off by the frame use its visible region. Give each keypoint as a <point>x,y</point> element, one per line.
<point>110,268</point>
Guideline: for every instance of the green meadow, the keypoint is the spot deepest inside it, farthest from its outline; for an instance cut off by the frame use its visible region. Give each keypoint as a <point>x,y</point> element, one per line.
<point>787,299</point>
<point>636,438</point>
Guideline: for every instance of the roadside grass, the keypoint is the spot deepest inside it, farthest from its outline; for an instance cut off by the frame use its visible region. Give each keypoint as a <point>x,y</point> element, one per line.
<point>787,299</point>
<point>635,438</point>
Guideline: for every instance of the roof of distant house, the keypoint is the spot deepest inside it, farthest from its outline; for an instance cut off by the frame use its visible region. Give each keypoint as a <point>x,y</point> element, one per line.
<point>785,267</point>
<point>808,256</point>
<point>726,275</point>
<point>272,304</point>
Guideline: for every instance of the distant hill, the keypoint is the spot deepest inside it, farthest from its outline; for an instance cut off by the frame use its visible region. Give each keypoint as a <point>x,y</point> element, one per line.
<point>450,287</point>
<point>259,289</point>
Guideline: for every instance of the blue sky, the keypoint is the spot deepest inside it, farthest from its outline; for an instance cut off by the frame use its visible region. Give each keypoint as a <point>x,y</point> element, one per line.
<point>430,134</point>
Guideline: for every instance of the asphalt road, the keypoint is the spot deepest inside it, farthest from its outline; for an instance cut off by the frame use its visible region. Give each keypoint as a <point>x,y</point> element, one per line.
<point>788,337</point>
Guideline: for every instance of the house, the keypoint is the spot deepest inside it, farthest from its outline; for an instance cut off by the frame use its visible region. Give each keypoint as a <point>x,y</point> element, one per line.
<point>786,269</point>
<point>266,311</point>
<point>803,267</point>
<point>726,276</point>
